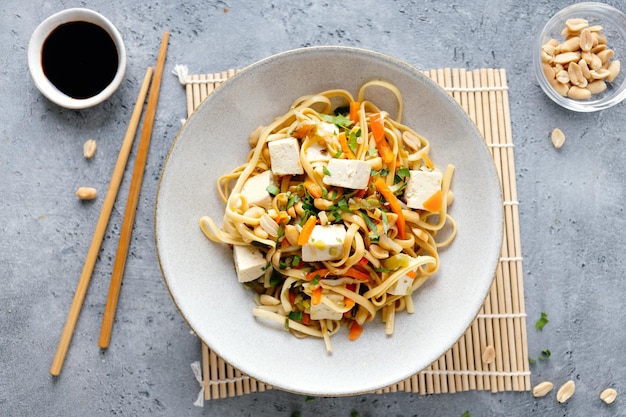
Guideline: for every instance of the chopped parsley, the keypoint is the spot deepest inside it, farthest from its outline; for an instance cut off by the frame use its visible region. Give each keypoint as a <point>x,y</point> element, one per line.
<point>542,321</point>
<point>340,120</point>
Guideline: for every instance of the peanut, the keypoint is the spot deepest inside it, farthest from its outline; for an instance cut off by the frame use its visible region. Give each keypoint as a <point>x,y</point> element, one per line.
<point>608,395</point>
<point>542,389</point>
<point>86,193</point>
<point>566,391</point>
<point>489,354</point>
<point>558,138</point>
<point>89,148</point>
<point>578,93</point>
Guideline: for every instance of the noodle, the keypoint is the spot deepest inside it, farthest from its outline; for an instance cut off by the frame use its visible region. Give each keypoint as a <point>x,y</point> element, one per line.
<point>332,204</point>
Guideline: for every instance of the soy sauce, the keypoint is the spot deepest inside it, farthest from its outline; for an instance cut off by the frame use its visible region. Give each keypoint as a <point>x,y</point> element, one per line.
<point>80,59</point>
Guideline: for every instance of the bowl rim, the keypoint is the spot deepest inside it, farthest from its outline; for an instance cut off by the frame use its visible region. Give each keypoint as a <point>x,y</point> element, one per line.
<point>589,105</point>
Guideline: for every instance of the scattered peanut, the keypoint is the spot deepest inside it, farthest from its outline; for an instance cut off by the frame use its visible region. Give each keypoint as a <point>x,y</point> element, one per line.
<point>542,389</point>
<point>86,193</point>
<point>89,148</point>
<point>608,395</point>
<point>558,138</point>
<point>268,300</point>
<point>566,391</point>
<point>573,66</point>
<point>489,354</point>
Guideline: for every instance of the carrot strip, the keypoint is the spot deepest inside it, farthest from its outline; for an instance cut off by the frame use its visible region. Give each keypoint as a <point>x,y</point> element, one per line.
<point>354,111</point>
<point>349,302</point>
<point>321,272</point>
<point>393,201</point>
<point>313,188</point>
<point>433,204</point>
<point>306,318</point>
<point>316,297</point>
<point>378,130</point>
<point>344,146</point>
<point>307,229</point>
<point>355,331</point>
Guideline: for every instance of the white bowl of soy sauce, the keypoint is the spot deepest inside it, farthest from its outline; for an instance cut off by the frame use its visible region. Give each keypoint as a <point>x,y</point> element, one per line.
<point>77,58</point>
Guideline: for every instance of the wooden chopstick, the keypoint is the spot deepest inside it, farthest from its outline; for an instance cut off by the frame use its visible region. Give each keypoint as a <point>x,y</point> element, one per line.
<point>133,198</point>
<point>103,220</point>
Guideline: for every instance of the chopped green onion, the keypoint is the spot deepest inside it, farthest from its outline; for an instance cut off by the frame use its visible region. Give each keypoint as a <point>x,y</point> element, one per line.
<point>545,354</point>
<point>385,221</point>
<point>466,414</point>
<point>296,315</point>
<point>370,224</point>
<point>293,199</point>
<point>272,189</point>
<point>326,171</point>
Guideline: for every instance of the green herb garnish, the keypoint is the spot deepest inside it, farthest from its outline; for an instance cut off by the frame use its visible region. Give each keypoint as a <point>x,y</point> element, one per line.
<point>545,354</point>
<point>340,120</point>
<point>542,321</point>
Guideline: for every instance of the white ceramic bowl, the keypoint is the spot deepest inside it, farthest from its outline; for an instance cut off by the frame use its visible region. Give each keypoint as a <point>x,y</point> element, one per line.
<point>35,47</point>
<point>614,23</point>
<point>200,274</point>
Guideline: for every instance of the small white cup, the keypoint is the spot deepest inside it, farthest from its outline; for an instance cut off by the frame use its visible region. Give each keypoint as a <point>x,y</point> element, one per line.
<point>35,48</point>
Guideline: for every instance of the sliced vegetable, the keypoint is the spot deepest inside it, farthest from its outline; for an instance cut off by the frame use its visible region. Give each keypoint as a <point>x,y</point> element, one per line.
<point>355,331</point>
<point>354,111</point>
<point>313,188</point>
<point>378,130</point>
<point>433,204</point>
<point>396,207</point>
<point>316,296</point>
<point>343,142</point>
<point>307,229</point>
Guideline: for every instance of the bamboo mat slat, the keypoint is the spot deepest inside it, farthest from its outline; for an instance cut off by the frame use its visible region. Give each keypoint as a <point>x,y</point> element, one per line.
<point>501,322</point>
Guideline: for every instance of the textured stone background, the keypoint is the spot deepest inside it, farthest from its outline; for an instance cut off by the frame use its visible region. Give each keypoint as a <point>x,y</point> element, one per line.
<point>571,208</point>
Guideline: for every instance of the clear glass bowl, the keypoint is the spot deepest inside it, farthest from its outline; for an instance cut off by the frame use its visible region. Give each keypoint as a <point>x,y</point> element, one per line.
<point>613,22</point>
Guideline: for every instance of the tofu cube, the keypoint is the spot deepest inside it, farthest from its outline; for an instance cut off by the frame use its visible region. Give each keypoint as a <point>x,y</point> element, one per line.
<point>285,156</point>
<point>255,190</point>
<point>250,262</point>
<point>321,311</point>
<point>325,243</point>
<point>348,173</point>
<point>421,186</point>
<point>316,152</point>
<point>326,130</point>
<point>402,287</point>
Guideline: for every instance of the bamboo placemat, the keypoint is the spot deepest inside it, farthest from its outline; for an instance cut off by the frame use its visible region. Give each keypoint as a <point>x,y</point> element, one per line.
<point>501,322</point>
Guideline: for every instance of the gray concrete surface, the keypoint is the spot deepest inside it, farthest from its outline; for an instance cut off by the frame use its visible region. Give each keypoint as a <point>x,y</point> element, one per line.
<point>571,208</point>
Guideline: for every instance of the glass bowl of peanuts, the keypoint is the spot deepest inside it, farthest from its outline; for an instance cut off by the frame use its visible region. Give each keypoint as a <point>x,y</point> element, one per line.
<point>577,57</point>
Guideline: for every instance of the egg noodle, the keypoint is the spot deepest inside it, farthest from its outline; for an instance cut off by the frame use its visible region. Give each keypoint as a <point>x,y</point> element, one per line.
<point>386,249</point>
